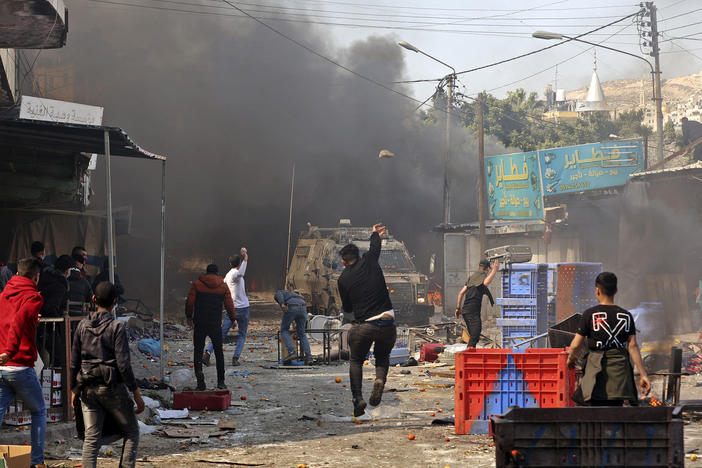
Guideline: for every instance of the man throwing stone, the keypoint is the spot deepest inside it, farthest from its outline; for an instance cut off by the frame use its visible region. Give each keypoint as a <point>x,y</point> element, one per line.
<point>364,294</point>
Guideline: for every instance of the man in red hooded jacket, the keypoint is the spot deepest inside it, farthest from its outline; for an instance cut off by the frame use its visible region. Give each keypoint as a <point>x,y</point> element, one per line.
<point>20,304</point>
<point>203,308</point>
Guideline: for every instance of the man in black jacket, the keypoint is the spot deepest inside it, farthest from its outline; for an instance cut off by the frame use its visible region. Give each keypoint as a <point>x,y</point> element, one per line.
<point>203,308</point>
<point>101,375</point>
<point>79,289</point>
<point>53,287</point>
<point>104,275</point>
<point>364,294</point>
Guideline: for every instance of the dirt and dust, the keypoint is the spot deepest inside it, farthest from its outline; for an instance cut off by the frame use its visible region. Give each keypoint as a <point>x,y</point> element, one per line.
<point>302,416</point>
<point>298,416</point>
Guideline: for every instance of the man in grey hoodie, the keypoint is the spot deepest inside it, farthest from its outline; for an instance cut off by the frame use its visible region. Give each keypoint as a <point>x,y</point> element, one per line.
<point>102,377</point>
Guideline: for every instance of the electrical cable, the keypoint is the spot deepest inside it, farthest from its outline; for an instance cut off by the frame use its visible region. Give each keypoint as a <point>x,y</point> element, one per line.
<point>305,12</point>
<point>547,47</point>
<point>486,33</point>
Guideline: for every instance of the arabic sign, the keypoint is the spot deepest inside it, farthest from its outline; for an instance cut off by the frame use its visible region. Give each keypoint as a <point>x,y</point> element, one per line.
<point>50,110</point>
<point>591,166</point>
<point>514,186</point>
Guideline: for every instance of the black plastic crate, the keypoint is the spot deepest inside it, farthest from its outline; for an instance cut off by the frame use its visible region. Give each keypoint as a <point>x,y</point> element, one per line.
<point>588,436</point>
<point>561,334</point>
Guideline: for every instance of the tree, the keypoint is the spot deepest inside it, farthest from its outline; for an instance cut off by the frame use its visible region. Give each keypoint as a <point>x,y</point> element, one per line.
<point>669,131</point>
<point>517,121</point>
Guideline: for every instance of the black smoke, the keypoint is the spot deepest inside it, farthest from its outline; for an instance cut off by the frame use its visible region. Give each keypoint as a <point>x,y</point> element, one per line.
<point>233,105</point>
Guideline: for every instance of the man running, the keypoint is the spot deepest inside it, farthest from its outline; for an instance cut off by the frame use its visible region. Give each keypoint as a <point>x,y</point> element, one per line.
<point>364,294</point>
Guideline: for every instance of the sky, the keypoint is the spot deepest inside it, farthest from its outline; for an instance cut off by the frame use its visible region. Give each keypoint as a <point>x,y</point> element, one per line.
<point>482,35</point>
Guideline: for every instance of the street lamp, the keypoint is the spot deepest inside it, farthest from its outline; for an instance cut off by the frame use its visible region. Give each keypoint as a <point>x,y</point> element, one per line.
<point>450,79</point>
<point>657,98</point>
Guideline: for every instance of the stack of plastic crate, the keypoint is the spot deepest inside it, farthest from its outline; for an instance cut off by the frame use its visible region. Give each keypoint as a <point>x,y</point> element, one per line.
<point>524,303</point>
<point>575,288</point>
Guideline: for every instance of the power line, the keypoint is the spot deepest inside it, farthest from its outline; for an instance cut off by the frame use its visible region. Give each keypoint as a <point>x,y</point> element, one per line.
<point>681,14</point>
<point>487,33</point>
<point>547,47</point>
<point>306,11</point>
<point>405,7</point>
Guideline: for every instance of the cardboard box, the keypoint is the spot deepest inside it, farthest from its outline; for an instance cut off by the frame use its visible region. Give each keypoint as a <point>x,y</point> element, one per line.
<point>56,375</point>
<point>46,378</point>
<point>16,456</point>
<point>56,398</point>
<point>21,418</point>
<point>54,415</point>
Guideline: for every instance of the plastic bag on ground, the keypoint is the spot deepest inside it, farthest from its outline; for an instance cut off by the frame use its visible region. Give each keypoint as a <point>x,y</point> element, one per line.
<point>149,346</point>
<point>172,414</point>
<point>150,402</point>
<point>181,378</point>
<point>146,429</point>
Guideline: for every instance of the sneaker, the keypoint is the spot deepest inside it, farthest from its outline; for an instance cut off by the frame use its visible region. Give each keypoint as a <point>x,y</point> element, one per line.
<point>308,361</point>
<point>200,385</point>
<point>289,359</point>
<point>377,392</point>
<point>221,385</point>
<point>359,407</point>
<point>41,465</point>
<point>206,359</point>
<point>235,361</point>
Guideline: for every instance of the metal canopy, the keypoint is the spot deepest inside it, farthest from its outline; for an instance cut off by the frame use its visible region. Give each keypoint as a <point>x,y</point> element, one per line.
<point>61,138</point>
<point>69,138</point>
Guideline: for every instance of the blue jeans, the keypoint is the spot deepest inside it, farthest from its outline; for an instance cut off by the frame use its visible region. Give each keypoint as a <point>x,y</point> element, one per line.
<point>226,325</point>
<point>25,385</point>
<point>297,314</point>
<point>242,322</point>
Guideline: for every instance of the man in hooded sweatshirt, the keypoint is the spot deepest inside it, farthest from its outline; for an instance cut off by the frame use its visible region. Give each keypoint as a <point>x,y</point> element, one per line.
<point>203,308</point>
<point>102,377</point>
<point>20,303</point>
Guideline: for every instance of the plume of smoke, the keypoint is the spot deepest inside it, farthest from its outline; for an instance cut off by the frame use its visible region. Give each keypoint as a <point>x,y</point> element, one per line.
<point>233,106</point>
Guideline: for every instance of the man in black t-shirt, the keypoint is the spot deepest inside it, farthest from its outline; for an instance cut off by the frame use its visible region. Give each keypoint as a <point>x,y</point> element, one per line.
<point>473,291</point>
<point>610,333</point>
<point>364,293</point>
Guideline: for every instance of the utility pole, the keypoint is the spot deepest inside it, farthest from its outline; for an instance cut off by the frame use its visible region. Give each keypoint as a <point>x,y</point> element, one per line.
<point>481,166</point>
<point>449,97</point>
<point>655,53</point>
<point>292,191</point>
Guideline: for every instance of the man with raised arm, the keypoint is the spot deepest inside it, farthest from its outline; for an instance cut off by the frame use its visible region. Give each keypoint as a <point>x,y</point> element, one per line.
<point>365,295</point>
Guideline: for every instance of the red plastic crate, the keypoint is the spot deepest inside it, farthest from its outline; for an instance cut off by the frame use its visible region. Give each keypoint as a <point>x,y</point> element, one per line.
<point>489,381</point>
<point>217,400</point>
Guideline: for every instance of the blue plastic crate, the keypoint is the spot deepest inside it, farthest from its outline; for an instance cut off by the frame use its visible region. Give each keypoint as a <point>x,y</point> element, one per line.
<point>513,334</point>
<point>524,280</point>
<point>519,312</point>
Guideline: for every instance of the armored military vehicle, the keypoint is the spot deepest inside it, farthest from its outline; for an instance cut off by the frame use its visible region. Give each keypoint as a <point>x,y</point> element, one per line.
<point>316,266</point>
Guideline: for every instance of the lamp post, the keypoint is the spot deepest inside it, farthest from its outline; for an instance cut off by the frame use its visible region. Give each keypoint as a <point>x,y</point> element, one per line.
<point>657,98</point>
<point>450,80</point>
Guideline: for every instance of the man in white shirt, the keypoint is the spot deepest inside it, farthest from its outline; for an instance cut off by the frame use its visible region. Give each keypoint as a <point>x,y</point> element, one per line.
<point>235,281</point>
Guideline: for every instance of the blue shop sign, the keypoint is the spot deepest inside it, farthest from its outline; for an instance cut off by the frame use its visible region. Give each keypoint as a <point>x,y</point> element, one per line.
<point>514,186</point>
<point>591,166</point>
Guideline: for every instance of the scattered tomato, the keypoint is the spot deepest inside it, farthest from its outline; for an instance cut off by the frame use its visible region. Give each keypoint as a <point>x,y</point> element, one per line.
<point>411,437</point>
<point>337,380</point>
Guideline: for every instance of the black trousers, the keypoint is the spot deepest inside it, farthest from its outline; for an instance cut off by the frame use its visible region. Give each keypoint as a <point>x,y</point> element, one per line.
<point>361,338</point>
<point>471,315</point>
<point>212,329</point>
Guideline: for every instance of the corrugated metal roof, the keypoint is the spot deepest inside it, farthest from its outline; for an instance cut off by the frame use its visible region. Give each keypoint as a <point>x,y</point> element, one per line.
<point>69,138</point>
<point>694,168</point>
